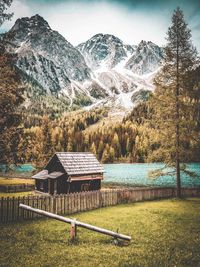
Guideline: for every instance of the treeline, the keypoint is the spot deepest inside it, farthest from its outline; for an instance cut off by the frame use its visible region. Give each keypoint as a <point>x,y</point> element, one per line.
<point>110,142</point>
<point>126,141</point>
<point>164,128</point>
<point>135,139</point>
<point>80,131</point>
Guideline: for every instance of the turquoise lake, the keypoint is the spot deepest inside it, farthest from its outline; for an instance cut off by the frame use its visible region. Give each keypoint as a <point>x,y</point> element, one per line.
<point>137,174</point>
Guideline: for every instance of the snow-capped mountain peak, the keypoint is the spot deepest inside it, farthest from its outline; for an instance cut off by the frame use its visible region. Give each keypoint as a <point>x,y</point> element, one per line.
<point>26,24</point>
<point>146,58</point>
<point>104,49</point>
<point>101,70</point>
<point>45,55</point>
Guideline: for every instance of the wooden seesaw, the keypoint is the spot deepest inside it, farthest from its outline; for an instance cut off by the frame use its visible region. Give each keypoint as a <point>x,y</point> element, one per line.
<point>74,223</point>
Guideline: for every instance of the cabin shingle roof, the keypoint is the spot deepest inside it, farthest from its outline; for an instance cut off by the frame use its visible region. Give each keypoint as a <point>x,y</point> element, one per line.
<point>79,163</point>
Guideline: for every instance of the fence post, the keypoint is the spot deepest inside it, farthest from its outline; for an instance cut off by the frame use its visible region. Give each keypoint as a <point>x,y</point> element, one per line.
<point>76,202</point>
<point>2,209</point>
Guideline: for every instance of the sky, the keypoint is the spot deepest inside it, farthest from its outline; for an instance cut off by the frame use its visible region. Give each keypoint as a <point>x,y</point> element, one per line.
<point>130,20</point>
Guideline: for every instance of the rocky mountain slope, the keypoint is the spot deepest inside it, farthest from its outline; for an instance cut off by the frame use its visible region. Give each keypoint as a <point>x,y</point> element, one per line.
<point>110,61</point>
<point>102,70</point>
<point>145,59</point>
<point>45,55</point>
<point>104,49</point>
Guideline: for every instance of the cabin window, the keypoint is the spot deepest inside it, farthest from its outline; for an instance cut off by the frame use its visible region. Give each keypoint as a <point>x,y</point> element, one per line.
<point>85,187</point>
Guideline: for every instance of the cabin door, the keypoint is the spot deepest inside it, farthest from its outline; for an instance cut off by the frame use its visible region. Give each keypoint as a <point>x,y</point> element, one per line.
<point>51,186</point>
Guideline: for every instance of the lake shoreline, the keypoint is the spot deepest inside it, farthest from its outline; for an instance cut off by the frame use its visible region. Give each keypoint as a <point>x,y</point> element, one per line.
<point>138,175</point>
<point>128,174</point>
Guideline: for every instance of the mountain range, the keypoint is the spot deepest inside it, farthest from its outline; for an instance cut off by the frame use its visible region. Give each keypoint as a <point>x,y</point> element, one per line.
<point>101,71</point>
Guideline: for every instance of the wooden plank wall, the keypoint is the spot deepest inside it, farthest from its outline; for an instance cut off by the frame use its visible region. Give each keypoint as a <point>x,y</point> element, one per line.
<point>77,202</point>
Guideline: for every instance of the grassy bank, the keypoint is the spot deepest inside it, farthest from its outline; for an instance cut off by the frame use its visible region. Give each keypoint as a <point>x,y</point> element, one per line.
<point>164,233</point>
<point>18,194</point>
<point>15,181</point>
<point>4,181</point>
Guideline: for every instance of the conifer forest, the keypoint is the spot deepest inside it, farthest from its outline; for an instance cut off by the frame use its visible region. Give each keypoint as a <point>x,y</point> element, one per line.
<point>161,126</point>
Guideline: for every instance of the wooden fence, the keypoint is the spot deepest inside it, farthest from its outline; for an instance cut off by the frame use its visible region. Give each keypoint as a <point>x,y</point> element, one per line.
<point>16,188</point>
<point>84,201</point>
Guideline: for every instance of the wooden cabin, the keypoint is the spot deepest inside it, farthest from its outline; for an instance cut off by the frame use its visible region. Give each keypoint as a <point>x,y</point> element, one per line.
<point>69,172</point>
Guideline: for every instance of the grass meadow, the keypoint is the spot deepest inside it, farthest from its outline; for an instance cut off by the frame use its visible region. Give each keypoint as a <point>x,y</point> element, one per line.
<point>164,233</point>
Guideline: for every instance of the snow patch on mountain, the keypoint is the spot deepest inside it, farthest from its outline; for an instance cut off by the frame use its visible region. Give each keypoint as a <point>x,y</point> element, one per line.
<point>104,50</point>
<point>146,58</point>
<point>45,55</point>
<point>101,71</point>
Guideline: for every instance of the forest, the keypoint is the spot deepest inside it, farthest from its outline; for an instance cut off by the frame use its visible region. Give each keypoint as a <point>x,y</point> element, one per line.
<point>134,139</point>
<point>154,131</point>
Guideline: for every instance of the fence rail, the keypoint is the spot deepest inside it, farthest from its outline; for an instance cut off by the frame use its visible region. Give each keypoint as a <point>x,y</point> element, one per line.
<point>84,201</point>
<point>16,188</point>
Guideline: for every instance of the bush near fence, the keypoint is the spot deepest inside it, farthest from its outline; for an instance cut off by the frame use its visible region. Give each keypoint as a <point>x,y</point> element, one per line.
<point>72,203</point>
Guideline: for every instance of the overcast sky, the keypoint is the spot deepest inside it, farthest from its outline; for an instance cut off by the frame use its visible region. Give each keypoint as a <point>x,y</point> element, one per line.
<point>130,20</point>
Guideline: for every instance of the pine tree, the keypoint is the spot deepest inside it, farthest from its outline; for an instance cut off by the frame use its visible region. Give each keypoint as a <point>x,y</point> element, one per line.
<point>116,145</point>
<point>10,118</point>
<point>100,149</point>
<point>10,99</point>
<point>170,102</point>
<point>193,116</point>
<point>69,145</point>
<point>64,138</point>
<point>111,155</point>
<point>47,138</point>
<point>93,149</point>
<point>106,154</point>
<point>4,5</point>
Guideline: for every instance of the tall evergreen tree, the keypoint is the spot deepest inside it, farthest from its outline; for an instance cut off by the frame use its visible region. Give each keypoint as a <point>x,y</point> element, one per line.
<point>47,137</point>
<point>170,101</point>
<point>11,91</point>
<point>4,5</point>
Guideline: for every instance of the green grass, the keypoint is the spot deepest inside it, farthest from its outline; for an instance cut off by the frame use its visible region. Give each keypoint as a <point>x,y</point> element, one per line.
<point>18,194</point>
<point>15,181</point>
<point>164,233</point>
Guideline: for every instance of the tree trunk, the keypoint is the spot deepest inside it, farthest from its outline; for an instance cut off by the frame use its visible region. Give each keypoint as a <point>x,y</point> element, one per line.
<point>178,176</point>
<point>178,179</point>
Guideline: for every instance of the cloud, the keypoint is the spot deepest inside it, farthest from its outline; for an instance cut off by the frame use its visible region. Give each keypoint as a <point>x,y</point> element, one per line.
<point>79,22</point>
